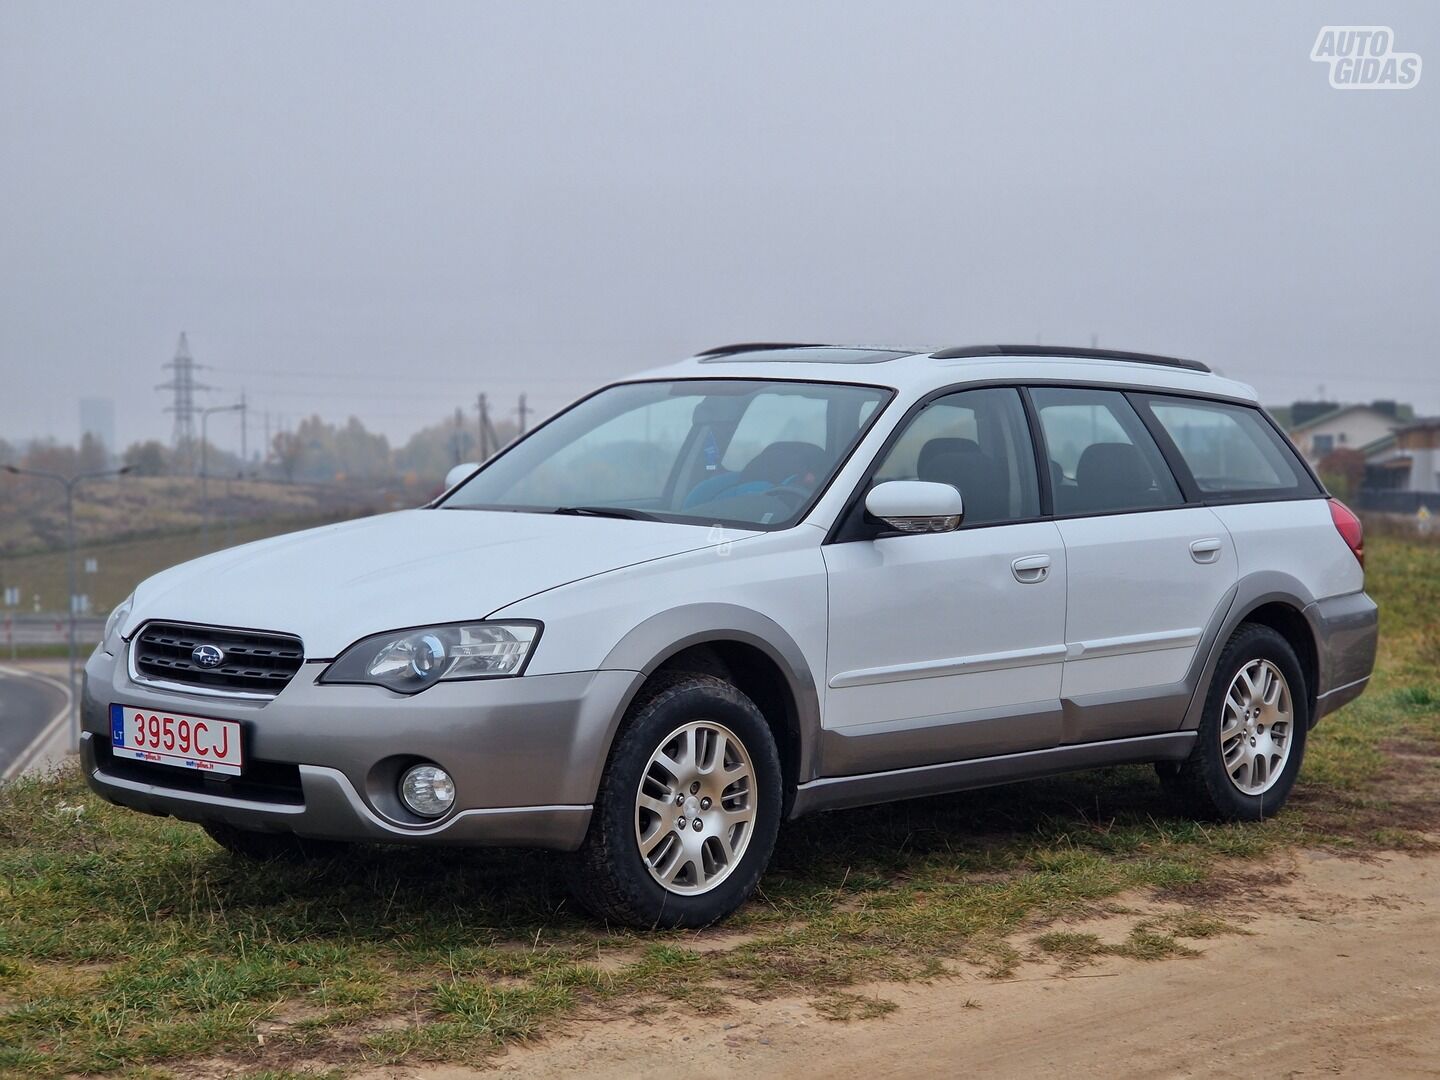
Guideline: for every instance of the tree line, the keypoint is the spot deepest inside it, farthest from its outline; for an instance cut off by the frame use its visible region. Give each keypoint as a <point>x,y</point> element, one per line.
<point>313,451</point>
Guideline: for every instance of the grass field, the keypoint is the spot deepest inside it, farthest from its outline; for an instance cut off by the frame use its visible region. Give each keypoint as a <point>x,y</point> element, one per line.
<point>132,946</point>
<point>32,512</point>
<point>138,525</point>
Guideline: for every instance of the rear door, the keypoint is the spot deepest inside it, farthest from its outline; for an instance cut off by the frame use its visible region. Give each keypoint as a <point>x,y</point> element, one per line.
<point>1230,456</point>
<point>1146,572</point>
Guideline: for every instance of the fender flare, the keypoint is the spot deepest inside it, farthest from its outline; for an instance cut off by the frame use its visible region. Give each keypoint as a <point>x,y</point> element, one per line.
<point>1251,592</point>
<point>654,641</point>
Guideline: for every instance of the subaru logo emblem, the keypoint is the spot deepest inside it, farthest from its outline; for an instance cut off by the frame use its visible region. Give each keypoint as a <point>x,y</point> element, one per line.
<point>207,656</point>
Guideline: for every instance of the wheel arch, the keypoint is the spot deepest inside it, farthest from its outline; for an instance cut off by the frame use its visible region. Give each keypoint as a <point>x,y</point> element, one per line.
<point>1290,622</point>
<point>749,649</point>
<point>1274,599</point>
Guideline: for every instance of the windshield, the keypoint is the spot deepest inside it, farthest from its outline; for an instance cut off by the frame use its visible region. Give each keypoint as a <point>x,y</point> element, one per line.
<point>737,452</point>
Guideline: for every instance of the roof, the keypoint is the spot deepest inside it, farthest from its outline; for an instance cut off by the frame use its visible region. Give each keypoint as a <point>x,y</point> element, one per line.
<point>800,354</point>
<point>1065,351</point>
<point>1420,423</point>
<point>921,370</point>
<point>1382,443</point>
<point>874,354</point>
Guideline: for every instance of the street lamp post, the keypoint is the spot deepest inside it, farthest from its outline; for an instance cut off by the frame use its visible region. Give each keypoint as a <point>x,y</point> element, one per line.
<point>69,483</point>
<point>205,415</point>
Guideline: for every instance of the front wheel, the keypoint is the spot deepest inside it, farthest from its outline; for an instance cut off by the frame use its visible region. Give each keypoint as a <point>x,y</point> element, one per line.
<point>688,808</point>
<point>1251,739</point>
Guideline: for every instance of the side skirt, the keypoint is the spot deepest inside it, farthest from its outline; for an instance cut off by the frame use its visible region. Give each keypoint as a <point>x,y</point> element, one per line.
<point>839,792</point>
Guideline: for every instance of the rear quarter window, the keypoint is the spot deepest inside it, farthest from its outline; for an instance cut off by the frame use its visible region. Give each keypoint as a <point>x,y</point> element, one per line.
<point>1229,451</point>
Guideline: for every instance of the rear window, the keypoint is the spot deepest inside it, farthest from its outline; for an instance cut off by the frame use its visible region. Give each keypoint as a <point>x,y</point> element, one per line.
<point>1230,451</point>
<point>1101,458</point>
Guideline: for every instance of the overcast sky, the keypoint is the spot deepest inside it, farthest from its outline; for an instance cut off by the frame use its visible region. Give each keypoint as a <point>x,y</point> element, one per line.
<point>383,209</point>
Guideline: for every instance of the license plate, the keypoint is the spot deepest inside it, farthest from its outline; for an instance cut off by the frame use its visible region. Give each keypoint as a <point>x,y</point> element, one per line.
<point>187,742</point>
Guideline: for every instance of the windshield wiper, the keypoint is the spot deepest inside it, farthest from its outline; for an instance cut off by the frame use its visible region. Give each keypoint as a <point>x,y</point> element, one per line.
<point>605,511</point>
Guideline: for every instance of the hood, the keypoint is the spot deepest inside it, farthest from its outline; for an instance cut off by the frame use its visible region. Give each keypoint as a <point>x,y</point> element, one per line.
<point>336,584</point>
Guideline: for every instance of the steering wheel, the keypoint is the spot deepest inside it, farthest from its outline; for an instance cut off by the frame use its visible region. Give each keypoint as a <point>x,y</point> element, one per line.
<point>794,492</point>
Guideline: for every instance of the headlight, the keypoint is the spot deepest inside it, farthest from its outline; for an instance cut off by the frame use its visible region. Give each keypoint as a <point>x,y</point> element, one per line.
<point>114,622</point>
<point>408,661</point>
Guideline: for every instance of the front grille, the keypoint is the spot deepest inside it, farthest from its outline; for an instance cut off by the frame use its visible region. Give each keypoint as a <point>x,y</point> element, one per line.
<point>254,662</point>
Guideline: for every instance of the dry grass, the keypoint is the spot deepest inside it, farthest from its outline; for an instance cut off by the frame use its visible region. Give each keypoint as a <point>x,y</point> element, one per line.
<point>32,552</point>
<point>131,946</point>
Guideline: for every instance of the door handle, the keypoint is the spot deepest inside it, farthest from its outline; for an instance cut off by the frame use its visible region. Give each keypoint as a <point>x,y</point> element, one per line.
<point>1031,570</point>
<point>1205,551</point>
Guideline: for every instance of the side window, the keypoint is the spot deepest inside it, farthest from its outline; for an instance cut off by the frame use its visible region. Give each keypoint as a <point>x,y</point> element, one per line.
<point>979,442</point>
<point>1101,458</point>
<point>1230,450</point>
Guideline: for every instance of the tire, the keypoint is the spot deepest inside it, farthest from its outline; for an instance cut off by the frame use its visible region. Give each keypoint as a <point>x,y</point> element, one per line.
<point>271,846</point>
<point>609,875</point>
<point>1221,779</point>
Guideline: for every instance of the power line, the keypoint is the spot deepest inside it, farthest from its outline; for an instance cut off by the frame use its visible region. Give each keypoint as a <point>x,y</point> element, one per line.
<point>184,386</point>
<point>429,419</point>
<point>376,395</point>
<point>315,373</point>
<point>489,440</point>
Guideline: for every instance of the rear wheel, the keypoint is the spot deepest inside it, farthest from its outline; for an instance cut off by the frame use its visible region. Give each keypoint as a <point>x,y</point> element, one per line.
<point>688,809</point>
<point>1251,739</point>
<point>271,846</point>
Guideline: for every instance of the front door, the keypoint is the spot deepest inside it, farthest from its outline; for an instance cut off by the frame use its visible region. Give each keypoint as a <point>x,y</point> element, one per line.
<point>949,646</point>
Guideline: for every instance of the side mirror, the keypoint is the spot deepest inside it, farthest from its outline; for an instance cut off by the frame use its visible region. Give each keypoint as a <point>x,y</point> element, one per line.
<point>459,472</point>
<point>916,506</point>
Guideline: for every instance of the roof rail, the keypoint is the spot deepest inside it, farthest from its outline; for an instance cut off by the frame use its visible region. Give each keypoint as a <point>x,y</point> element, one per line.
<point>758,346</point>
<point>961,351</point>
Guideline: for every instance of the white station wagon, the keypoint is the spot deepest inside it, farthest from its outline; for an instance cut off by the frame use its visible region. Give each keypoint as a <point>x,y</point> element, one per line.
<point>767,581</point>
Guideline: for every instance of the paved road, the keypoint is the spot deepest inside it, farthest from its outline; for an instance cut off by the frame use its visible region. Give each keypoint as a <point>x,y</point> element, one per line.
<point>27,705</point>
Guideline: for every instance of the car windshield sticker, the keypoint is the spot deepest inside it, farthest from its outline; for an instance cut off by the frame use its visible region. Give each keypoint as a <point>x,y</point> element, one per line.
<point>712,452</point>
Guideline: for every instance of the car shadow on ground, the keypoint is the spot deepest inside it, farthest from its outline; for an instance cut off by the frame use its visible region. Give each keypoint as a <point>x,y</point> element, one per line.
<point>456,896</point>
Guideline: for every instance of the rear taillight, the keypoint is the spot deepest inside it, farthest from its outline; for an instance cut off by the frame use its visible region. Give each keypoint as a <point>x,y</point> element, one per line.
<point>1349,527</point>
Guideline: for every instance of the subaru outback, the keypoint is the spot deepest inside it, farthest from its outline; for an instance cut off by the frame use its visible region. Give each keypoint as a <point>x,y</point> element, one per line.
<point>767,581</point>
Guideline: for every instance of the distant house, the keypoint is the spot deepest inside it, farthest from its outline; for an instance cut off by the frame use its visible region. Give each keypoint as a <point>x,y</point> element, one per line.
<point>1318,432</point>
<point>1408,460</point>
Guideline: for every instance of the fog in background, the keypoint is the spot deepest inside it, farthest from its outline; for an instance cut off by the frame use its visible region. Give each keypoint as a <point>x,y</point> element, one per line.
<point>382,209</point>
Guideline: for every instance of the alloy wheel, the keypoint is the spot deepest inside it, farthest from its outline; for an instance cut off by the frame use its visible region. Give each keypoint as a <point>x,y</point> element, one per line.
<point>695,807</point>
<point>1257,727</point>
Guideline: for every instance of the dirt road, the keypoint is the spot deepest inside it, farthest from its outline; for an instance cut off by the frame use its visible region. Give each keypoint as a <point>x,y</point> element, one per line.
<point>1337,975</point>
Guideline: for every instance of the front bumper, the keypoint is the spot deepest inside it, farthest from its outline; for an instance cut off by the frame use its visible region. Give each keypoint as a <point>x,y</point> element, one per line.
<point>323,761</point>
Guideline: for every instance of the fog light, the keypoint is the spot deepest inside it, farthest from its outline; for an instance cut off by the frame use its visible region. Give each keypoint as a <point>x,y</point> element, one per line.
<point>427,790</point>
